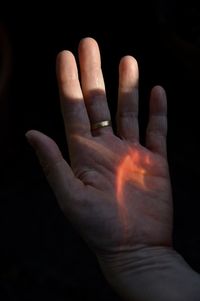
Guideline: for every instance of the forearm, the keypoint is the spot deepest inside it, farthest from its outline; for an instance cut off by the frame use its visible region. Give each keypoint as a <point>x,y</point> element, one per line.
<point>151,273</point>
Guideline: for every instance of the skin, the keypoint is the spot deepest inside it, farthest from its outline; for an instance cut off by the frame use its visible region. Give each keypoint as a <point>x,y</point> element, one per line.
<point>115,191</point>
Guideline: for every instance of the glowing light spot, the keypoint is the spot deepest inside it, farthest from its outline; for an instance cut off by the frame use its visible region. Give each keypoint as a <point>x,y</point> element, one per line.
<point>130,169</point>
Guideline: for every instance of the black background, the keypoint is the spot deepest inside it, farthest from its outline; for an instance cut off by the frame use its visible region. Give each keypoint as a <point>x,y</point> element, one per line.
<point>42,257</point>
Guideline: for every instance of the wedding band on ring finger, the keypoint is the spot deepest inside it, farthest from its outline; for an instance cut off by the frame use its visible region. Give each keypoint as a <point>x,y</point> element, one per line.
<point>101,124</point>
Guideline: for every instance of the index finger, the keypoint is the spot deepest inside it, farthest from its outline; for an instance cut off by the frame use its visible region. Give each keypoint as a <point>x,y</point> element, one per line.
<point>73,108</point>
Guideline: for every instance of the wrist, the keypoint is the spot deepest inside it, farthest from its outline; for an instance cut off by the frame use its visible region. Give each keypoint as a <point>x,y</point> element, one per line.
<point>151,273</point>
<point>124,263</point>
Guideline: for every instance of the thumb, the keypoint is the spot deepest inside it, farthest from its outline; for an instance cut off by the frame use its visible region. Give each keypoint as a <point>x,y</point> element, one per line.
<point>58,173</point>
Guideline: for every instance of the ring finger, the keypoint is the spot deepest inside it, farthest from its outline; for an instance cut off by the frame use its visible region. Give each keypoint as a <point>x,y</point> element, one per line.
<point>93,86</point>
<point>127,115</point>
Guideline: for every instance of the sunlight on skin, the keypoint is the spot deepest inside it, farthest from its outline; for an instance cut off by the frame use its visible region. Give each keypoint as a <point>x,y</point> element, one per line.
<point>133,169</point>
<point>130,170</point>
<point>133,166</point>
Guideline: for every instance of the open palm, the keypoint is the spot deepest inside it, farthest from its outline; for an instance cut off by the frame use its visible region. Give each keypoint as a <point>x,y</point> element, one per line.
<point>116,193</point>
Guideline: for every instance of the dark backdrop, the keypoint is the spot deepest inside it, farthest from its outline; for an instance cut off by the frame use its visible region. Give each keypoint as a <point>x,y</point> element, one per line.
<point>42,257</point>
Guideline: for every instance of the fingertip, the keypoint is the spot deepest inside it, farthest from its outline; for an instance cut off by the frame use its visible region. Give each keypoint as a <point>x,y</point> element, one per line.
<point>158,100</point>
<point>65,66</point>
<point>30,133</point>
<point>128,73</point>
<point>34,135</point>
<point>87,41</point>
<point>62,55</point>
<point>88,50</point>
<point>158,91</point>
<point>30,136</point>
<point>128,61</point>
<point>43,145</point>
<point>56,169</point>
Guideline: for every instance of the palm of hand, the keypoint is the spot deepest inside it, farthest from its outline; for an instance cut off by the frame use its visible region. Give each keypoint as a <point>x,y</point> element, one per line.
<point>117,192</point>
<point>126,194</point>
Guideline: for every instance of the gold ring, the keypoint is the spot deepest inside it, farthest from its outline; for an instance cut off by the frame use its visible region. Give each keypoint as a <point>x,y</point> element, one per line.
<point>100,124</point>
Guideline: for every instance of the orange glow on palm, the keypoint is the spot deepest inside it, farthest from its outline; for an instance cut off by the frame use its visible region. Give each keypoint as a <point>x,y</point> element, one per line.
<point>130,170</point>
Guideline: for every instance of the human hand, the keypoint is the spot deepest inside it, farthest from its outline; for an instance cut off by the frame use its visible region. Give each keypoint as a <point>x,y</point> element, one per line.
<point>116,192</point>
